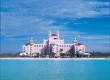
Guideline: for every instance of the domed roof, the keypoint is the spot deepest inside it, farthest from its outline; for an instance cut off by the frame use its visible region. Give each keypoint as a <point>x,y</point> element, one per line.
<point>53,35</point>
<point>80,44</point>
<point>28,44</point>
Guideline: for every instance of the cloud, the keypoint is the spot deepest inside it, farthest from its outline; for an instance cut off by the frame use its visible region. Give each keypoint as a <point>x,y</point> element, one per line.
<point>57,8</point>
<point>95,37</point>
<point>98,48</point>
<point>79,9</point>
<point>78,23</point>
<point>104,42</point>
<point>14,25</point>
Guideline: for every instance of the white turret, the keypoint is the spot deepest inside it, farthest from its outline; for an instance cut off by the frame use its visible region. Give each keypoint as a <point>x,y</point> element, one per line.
<point>75,41</point>
<point>58,34</point>
<point>49,34</point>
<point>31,41</point>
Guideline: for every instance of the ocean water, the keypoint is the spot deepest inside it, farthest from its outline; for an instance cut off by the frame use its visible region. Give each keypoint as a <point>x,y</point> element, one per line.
<point>51,69</point>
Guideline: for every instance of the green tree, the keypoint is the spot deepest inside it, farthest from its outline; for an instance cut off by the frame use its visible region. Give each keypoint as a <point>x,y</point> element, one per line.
<point>52,55</point>
<point>72,52</point>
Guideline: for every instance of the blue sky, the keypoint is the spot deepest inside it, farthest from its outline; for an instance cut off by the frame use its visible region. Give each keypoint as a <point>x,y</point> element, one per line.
<point>88,20</point>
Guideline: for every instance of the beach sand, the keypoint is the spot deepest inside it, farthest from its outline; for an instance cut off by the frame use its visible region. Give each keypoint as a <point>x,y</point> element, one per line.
<point>56,58</point>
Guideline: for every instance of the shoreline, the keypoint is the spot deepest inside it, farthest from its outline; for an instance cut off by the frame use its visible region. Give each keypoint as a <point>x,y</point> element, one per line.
<point>55,58</point>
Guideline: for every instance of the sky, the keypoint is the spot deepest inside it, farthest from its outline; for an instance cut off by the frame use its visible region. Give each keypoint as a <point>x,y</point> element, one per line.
<point>87,20</point>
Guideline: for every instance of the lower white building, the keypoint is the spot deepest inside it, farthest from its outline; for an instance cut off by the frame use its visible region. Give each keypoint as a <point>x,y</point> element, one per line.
<point>52,45</point>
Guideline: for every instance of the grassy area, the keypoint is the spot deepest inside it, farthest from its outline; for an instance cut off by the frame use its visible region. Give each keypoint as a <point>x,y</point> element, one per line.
<point>100,54</point>
<point>5,55</point>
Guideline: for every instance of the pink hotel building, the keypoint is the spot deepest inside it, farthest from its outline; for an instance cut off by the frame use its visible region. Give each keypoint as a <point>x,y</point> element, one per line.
<point>52,44</point>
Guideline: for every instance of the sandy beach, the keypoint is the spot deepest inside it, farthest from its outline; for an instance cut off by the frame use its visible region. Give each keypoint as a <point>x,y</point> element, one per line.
<point>56,58</point>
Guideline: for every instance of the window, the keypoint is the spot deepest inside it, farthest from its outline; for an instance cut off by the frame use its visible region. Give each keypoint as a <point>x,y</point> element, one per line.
<point>76,48</point>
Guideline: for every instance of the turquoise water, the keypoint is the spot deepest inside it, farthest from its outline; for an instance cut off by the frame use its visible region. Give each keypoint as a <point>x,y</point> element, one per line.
<point>54,69</point>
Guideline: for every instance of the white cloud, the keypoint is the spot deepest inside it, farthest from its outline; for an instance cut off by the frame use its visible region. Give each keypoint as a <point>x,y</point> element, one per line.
<point>95,37</point>
<point>104,42</point>
<point>60,8</point>
<point>80,9</point>
<point>98,48</point>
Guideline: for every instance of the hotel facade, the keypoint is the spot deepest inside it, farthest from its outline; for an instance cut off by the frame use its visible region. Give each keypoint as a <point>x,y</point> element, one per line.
<point>52,45</point>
